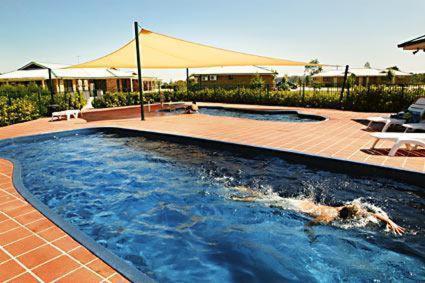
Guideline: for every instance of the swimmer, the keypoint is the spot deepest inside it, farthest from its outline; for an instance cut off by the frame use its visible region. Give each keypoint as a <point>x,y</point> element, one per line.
<point>321,213</point>
<point>192,109</point>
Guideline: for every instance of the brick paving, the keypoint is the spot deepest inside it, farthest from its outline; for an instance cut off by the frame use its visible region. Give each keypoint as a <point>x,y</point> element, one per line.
<point>33,249</point>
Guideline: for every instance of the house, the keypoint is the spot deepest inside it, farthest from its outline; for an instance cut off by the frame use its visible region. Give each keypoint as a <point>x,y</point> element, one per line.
<point>88,81</point>
<point>363,76</point>
<point>232,77</point>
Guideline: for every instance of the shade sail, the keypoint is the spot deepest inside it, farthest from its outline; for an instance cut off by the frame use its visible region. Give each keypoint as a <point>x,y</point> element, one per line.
<point>164,52</point>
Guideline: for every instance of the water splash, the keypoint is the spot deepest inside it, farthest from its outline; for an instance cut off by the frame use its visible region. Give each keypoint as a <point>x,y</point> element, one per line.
<point>268,197</point>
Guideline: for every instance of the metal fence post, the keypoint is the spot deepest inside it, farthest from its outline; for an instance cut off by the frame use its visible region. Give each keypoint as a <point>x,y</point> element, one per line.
<point>303,94</point>
<point>187,82</point>
<point>39,100</point>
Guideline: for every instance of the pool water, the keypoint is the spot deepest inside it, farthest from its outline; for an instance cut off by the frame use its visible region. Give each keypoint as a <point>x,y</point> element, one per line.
<point>166,208</point>
<point>264,115</point>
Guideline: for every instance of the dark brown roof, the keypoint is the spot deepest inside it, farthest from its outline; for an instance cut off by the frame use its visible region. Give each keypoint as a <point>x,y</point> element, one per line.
<point>414,44</point>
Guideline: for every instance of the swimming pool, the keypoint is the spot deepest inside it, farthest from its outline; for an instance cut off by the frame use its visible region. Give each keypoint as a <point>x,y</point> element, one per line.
<point>165,208</point>
<point>257,114</point>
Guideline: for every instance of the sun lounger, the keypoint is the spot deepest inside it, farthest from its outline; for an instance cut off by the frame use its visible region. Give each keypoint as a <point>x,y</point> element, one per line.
<point>418,108</point>
<point>410,140</point>
<point>414,126</point>
<point>386,120</point>
<point>66,113</point>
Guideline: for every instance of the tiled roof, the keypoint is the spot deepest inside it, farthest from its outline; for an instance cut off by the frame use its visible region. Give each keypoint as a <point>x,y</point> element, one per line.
<point>58,71</point>
<point>359,72</point>
<point>231,71</point>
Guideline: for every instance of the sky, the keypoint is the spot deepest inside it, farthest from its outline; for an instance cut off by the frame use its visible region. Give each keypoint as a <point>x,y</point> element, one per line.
<point>333,31</point>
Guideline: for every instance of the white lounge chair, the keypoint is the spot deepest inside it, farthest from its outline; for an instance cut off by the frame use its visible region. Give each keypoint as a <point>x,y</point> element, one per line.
<point>388,121</point>
<point>414,126</point>
<point>410,140</point>
<point>417,107</point>
<point>66,113</point>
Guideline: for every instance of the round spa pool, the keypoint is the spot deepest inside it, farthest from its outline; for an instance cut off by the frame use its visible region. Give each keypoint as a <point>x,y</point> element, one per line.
<point>255,114</point>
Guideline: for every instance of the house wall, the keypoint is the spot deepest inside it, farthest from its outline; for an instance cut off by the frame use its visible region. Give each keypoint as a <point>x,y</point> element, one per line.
<point>364,81</point>
<point>149,84</point>
<point>228,80</point>
<point>81,84</point>
<point>112,85</point>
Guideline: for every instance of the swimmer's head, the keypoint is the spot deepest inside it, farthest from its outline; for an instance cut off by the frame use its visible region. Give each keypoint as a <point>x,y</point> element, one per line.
<point>349,211</point>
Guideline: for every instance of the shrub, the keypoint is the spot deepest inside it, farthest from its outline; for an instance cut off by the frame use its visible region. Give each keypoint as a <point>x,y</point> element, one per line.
<point>23,103</point>
<point>68,101</point>
<point>359,98</point>
<point>20,110</point>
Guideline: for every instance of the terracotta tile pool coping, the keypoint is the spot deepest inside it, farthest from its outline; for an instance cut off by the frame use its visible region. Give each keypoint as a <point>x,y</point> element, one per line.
<point>33,249</point>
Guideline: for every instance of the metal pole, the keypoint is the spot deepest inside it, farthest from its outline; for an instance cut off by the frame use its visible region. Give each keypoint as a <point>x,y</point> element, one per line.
<point>344,82</point>
<point>187,82</point>
<point>52,99</point>
<point>139,70</point>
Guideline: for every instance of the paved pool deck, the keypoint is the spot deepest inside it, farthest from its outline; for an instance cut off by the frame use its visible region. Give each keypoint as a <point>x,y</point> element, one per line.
<point>33,249</point>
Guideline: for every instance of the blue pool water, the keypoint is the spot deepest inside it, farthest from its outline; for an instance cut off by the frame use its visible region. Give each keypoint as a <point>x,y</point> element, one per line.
<point>264,115</point>
<point>166,209</point>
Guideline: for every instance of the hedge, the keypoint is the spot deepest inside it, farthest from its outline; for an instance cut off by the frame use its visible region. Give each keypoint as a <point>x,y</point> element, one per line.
<point>24,103</point>
<point>365,99</point>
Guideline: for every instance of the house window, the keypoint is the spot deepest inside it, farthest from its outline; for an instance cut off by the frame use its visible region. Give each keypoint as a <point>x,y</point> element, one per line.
<point>213,77</point>
<point>204,78</point>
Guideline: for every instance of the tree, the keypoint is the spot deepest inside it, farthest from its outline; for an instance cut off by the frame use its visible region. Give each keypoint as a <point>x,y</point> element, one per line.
<point>308,80</point>
<point>390,75</point>
<point>284,83</point>
<point>367,65</point>
<point>394,68</point>
<point>257,82</point>
<point>312,70</point>
<point>351,80</point>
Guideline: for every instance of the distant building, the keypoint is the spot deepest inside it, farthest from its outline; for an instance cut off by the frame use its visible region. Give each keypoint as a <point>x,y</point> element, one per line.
<point>364,77</point>
<point>89,81</point>
<point>231,77</point>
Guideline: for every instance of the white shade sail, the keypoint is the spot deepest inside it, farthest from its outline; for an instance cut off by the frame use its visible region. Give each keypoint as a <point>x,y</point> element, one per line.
<point>163,52</point>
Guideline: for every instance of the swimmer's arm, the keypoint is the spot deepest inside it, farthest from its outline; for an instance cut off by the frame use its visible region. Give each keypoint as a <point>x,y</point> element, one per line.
<point>390,224</point>
<point>243,199</point>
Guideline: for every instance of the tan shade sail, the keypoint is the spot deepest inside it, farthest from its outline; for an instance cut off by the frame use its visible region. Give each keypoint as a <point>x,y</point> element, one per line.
<point>163,52</point>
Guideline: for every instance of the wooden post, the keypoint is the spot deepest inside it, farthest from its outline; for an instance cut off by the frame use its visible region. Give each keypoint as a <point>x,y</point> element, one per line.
<point>139,71</point>
<point>344,83</point>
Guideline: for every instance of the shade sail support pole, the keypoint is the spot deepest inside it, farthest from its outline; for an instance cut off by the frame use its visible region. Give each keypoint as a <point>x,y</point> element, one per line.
<point>52,99</point>
<point>344,83</point>
<point>52,106</point>
<point>139,71</point>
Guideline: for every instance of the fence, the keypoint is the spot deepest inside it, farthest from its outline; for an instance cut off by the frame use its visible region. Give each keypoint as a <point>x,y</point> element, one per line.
<point>400,88</point>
